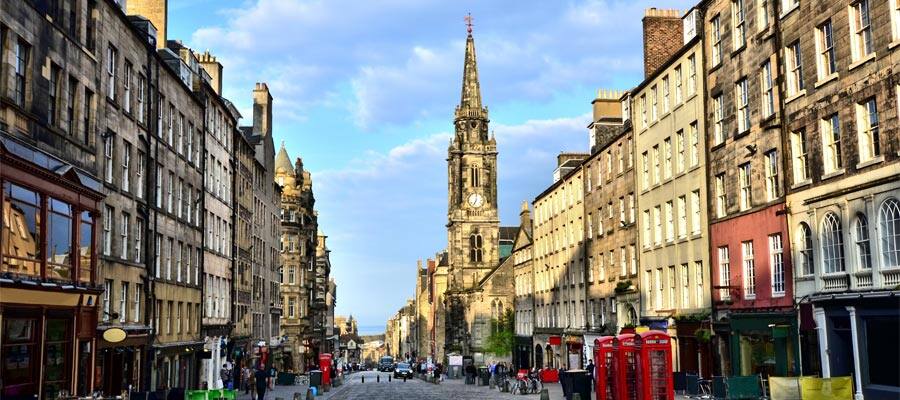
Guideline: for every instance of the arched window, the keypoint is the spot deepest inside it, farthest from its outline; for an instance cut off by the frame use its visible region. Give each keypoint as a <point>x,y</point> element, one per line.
<point>889,221</point>
<point>832,244</point>
<point>474,176</point>
<point>861,238</point>
<point>476,251</point>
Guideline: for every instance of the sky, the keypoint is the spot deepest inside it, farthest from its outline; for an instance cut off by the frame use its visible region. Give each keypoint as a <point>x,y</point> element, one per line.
<point>364,93</point>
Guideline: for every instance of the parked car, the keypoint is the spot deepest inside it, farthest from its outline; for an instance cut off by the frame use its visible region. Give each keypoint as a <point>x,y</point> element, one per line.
<point>386,364</point>
<point>403,371</point>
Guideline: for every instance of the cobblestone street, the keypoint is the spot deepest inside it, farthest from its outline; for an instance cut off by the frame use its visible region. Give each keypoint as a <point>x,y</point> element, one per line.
<point>413,389</point>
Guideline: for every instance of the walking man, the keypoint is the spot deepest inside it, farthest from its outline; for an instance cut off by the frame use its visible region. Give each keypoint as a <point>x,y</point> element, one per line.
<point>262,382</point>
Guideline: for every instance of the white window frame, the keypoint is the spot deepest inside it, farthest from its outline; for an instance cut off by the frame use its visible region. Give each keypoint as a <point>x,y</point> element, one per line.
<point>724,273</point>
<point>718,119</point>
<point>695,144</point>
<point>771,170</point>
<point>826,56</point>
<point>738,23</point>
<point>768,90</point>
<point>831,144</point>
<point>749,270</point>
<point>776,264</point>
<point>867,128</point>
<point>745,179</point>
<point>716,32</point>
<point>721,196</point>
<point>742,104</point>
<point>793,59</point>
<point>124,233</point>
<point>682,217</point>
<point>678,93</point>
<point>799,148</point>
<point>696,213</point>
<point>861,36</point>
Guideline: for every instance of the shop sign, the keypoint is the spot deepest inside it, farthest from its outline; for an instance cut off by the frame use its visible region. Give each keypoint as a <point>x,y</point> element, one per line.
<point>114,335</point>
<point>554,340</point>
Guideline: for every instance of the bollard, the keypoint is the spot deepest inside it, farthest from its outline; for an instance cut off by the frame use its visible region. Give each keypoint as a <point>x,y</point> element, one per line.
<point>310,395</point>
<point>545,395</point>
<point>576,396</point>
<point>404,378</point>
<point>363,379</point>
<point>378,378</point>
<point>389,378</point>
<point>491,382</point>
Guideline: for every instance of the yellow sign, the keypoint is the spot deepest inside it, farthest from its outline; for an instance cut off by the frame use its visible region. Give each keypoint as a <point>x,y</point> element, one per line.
<point>114,335</point>
<point>784,388</point>
<point>840,388</point>
<point>641,329</point>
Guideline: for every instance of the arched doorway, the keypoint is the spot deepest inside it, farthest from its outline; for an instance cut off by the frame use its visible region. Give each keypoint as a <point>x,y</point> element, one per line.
<point>538,356</point>
<point>632,316</point>
<point>551,362</point>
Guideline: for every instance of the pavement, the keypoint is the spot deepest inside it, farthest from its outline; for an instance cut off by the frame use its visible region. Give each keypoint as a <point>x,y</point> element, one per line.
<point>412,389</point>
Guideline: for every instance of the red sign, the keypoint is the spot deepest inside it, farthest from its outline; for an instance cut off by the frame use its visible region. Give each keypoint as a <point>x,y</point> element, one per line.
<point>554,340</point>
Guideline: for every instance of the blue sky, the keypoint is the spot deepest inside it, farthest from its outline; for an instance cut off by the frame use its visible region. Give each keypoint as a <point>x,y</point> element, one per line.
<point>364,92</point>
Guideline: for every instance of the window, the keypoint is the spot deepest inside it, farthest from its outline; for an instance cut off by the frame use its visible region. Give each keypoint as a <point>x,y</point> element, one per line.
<point>721,196</point>
<point>108,145</point>
<point>719,120</point>
<point>867,128</point>
<point>678,78</point>
<point>291,306</point>
<point>53,95</point>
<point>88,116</point>
<point>107,299</point>
<point>826,59</point>
<point>667,158</point>
<point>670,223</point>
<point>861,30</point>
<point>657,221</point>
<point>112,61</point>
<point>665,94</point>
<point>72,92</point>
<point>622,219</point>
<point>22,51</point>
<point>700,292</point>
<point>645,171</point>
<point>685,290</point>
<point>125,228</point>
<point>631,208</point>
<point>141,99</point>
<point>170,244</point>
<point>895,19</point>
<point>672,287</point>
<point>804,243</point>
<point>138,240</point>
<point>159,183</point>
<point>646,220</point>
<point>738,25</point>
<point>771,170</point>
<point>123,302</point>
<point>682,217</point>
<point>798,148</point>
<point>654,97</point>
<point>788,5</point>
<point>643,111</point>
<point>692,75</point>
<point>742,102</point>
<point>749,270</point>
<point>126,166</point>
<point>889,224</point>
<point>158,255</point>
<point>655,164</point>
<point>768,91</point>
<point>657,283</point>
<point>590,270</point>
<point>679,149</point>
<point>633,259</point>
<point>746,192</point>
<point>695,210</point>
<point>724,274</point>
<point>695,145</point>
<point>475,248</point>
<point>776,264</point>
<point>794,66</point>
<point>861,239</point>
<point>831,143</point>
<point>716,32</point>
<point>126,82</point>
<point>107,230</point>
<point>590,226</point>
<point>762,15</point>
<point>601,270</point>
<point>170,192</point>
<point>136,303</point>
<point>832,244</point>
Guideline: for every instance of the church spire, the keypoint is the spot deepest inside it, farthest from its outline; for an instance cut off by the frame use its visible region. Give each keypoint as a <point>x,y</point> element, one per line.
<point>470,101</point>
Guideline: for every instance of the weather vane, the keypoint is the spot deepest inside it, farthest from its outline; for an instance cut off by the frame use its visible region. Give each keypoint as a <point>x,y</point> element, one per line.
<point>468,19</point>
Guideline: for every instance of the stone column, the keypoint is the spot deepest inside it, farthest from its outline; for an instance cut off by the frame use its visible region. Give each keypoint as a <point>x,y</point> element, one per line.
<point>856,367</point>
<point>819,315</point>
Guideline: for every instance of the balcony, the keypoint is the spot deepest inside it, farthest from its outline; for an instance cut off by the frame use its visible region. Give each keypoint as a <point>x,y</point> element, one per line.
<point>890,278</point>
<point>835,283</point>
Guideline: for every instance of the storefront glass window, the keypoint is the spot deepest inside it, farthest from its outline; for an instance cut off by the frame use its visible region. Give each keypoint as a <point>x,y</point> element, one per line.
<point>18,352</point>
<point>59,240</point>
<point>20,241</point>
<point>56,357</point>
<point>86,248</point>
<point>85,354</point>
<point>757,354</point>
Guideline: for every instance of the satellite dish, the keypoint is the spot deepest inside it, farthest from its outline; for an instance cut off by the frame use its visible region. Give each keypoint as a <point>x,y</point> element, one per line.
<point>114,335</point>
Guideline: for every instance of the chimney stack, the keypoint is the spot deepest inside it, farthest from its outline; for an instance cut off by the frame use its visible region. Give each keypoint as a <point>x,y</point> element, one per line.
<point>154,10</point>
<point>608,104</point>
<point>262,110</point>
<point>214,69</point>
<point>663,32</point>
<point>525,217</point>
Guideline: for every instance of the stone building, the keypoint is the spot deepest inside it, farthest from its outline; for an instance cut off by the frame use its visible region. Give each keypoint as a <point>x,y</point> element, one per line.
<point>51,296</point>
<point>558,258</point>
<point>750,256</point>
<point>320,309</point>
<point>609,201</point>
<point>400,332</point>
<point>245,165</point>
<point>298,243</point>
<point>523,271</point>
<point>265,305</point>
<point>843,186</point>
<point>668,123</point>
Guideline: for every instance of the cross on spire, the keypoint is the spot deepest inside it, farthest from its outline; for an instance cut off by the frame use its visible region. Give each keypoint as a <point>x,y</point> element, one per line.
<point>468,19</point>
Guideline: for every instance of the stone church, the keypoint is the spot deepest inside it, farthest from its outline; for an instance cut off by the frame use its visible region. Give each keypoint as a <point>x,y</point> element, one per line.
<point>480,281</point>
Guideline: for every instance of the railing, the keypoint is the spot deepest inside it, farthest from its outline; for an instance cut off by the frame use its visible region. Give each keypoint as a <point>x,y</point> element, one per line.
<point>891,278</point>
<point>864,280</point>
<point>835,283</point>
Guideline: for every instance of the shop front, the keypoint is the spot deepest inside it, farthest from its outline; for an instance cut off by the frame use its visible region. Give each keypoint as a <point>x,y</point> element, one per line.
<point>574,347</point>
<point>763,343</point>
<point>121,363</point>
<point>176,366</point>
<point>48,306</point>
<point>522,352</point>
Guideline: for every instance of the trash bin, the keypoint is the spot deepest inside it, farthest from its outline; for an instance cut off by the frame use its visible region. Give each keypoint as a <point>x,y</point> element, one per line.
<point>575,381</point>
<point>485,374</point>
<point>285,378</point>
<point>315,378</point>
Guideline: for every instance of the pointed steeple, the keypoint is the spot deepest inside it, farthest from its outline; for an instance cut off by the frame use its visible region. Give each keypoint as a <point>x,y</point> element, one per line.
<point>470,98</point>
<point>283,161</point>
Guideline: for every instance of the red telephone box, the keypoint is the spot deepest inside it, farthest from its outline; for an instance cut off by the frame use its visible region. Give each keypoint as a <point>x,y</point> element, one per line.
<point>655,369</point>
<point>626,368</point>
<point>325,367</point>
<point>605,364</point>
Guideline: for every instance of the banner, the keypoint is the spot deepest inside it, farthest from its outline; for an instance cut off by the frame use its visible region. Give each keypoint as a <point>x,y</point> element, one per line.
<point>840,388</point>
<point>782,388</point>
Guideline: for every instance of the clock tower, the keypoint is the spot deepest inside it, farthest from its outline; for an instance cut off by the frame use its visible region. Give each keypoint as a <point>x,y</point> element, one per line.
<point>472,220</point>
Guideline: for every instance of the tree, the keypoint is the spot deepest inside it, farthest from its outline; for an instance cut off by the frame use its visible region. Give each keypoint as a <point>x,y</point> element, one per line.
<point>502,337</point>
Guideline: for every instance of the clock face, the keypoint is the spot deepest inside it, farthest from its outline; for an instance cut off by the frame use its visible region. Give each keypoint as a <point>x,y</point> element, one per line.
<point>476,200</point>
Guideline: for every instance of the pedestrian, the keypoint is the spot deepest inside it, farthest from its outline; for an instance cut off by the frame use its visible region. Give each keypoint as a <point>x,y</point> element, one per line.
<point>262,382</point>
<point>245,379</point>
<point>590,370</point>
<point>225,375</point>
